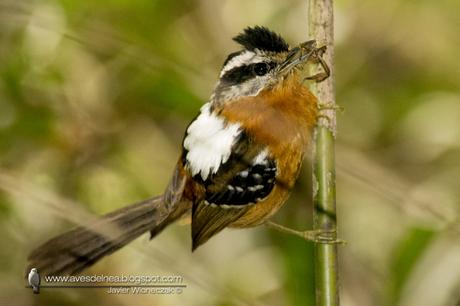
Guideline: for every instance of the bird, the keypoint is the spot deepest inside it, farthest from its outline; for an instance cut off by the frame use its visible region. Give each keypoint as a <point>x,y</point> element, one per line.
<point>239,159</point>
<point>34,280</point>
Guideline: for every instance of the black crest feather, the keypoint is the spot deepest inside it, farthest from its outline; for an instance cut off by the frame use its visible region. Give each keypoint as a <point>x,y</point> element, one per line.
<point>261,38</point>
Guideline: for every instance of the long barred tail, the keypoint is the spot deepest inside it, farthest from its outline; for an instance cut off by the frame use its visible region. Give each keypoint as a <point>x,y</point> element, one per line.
<point>80,248</point>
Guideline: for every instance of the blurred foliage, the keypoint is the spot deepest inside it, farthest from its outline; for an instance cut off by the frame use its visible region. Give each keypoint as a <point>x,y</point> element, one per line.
<point>95,96</point>
<point>404,259</point>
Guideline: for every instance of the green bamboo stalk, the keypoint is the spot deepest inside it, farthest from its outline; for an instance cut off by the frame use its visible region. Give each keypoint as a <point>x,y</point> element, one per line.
<point>320,25</point>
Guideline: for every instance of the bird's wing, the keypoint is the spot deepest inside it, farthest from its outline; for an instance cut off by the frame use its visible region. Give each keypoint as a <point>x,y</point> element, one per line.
<point>34,279</point>
<point>175,189</point>
<point>247,177</point>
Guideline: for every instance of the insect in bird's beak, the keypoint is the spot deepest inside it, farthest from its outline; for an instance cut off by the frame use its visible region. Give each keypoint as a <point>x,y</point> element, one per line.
<point>303,53</point>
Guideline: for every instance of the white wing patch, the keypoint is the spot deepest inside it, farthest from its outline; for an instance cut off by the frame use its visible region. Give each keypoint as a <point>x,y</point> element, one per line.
<point>209,142</point>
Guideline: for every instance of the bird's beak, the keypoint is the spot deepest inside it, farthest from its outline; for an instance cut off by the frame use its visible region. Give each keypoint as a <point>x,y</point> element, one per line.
<point>302,54</point>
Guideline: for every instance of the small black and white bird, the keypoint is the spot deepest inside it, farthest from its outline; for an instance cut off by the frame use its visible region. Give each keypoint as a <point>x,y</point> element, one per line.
<point>239,160</point>
<point>34,280</point>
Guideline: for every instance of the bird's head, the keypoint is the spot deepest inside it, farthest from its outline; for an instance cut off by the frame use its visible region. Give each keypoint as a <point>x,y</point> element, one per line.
<point>265,61</point>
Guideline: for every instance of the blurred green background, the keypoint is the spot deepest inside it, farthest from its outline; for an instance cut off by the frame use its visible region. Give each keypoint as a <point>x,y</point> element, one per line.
<point>95,96</point>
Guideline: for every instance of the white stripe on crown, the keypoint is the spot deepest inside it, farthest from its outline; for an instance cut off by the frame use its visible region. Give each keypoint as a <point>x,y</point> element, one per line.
<point>245,58</point>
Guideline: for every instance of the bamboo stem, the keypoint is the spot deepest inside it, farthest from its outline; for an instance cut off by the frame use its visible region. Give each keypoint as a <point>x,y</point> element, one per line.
<point>320,22</point>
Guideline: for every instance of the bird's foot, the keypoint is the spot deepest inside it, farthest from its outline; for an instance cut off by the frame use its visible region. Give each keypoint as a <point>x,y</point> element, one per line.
<point>317,236</point>
<point>323,236</point>
<point>329,105</point>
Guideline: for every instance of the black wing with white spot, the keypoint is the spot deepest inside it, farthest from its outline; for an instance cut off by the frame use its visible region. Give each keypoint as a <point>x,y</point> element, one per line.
<point>245,178</point>
<point>221,156</point>
<point>247,187</point>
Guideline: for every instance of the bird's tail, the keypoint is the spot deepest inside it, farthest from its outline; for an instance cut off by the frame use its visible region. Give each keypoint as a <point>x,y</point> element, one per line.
<point>72,252</point>
<point>36,290</point>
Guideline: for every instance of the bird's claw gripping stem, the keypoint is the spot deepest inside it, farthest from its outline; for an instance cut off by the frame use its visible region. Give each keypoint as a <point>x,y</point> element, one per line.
<point>323,237</point>
<point>317,236</point>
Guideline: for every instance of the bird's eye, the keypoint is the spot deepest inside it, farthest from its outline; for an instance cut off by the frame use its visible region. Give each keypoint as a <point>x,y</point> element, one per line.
<point>260,68</point>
